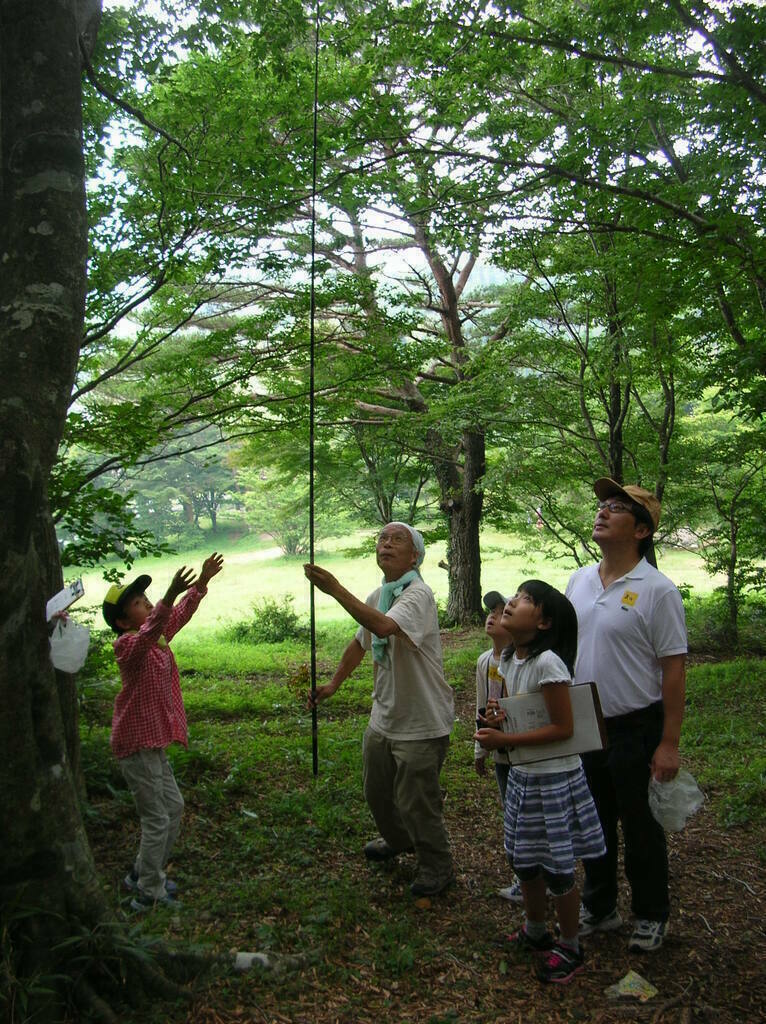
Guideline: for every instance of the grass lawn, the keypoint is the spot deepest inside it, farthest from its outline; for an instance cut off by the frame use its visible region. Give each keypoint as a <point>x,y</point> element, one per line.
<point>256,569</point>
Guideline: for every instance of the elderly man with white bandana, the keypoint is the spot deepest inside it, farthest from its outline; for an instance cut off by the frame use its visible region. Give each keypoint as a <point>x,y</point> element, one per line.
<point>412,715</point>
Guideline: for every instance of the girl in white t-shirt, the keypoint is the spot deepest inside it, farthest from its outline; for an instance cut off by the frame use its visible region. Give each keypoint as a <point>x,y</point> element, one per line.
<point>550,817</point>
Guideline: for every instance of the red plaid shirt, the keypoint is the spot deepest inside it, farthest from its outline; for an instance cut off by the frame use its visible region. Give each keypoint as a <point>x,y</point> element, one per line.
<point>149,709</point>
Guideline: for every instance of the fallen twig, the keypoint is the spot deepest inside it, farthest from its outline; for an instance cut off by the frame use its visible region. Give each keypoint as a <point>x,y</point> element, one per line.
<point>740,882</point>
<point>667,1006</point>
<point>466,967</point>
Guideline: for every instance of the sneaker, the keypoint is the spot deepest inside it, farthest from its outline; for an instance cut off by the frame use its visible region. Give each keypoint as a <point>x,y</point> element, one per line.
<point>512,892</point>
<point>589,923</point>
<point>143,901</point>
<point>130,881</point>
<point>379,850</point>
<point>431,886</point>
<point>647,935</point>
<point>560,964</point>
<point>521,942</point>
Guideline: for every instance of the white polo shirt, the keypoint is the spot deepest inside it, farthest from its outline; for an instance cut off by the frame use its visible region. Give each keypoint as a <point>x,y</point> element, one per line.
<point>623,631</point>
<point>411,700</point>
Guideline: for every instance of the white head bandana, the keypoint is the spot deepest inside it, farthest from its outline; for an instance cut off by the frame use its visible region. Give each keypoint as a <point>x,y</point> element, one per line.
<point>417,541</point>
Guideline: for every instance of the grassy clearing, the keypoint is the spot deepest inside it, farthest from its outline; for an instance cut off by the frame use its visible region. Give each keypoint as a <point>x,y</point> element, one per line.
<point>256,569</point>
<point>246,704</point>
<point>269,857</point>
<point>724,736</point>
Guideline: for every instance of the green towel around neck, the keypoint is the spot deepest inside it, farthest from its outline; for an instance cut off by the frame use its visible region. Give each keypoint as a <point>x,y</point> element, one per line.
<point>388,593</point>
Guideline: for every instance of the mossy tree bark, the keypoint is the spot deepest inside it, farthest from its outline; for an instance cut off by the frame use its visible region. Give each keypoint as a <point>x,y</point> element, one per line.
<point>49,888</point>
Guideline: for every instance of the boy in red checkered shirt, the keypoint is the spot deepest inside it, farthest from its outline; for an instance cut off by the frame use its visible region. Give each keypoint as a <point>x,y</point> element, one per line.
<point>149,715</point>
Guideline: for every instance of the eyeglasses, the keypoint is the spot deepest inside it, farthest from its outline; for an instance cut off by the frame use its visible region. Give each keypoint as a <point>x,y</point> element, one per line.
<point>615,506</point>
<point>395,538</point>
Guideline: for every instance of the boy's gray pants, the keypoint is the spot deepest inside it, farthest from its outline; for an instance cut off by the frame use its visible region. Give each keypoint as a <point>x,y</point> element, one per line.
<point>160,805</point>
<point>401,787</point>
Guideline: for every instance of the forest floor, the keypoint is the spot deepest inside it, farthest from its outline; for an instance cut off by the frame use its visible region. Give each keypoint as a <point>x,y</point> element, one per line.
<point>368,952</point>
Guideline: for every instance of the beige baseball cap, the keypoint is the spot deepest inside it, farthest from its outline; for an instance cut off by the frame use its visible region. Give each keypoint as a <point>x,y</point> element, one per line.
<point>605,488</point>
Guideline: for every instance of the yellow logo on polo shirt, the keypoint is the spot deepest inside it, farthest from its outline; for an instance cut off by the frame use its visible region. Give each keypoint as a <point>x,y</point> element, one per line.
<point>629,598</point>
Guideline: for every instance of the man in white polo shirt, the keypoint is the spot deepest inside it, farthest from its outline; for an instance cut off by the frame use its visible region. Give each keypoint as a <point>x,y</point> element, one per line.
<point>632,642</point>
<point>413,707</point>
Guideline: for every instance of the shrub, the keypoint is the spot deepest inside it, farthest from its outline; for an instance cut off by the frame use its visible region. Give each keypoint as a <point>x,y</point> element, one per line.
<point>707,624</point>
<point>272,622</point>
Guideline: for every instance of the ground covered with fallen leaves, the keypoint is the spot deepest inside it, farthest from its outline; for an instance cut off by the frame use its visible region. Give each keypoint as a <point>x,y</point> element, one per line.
<point>348,943</point>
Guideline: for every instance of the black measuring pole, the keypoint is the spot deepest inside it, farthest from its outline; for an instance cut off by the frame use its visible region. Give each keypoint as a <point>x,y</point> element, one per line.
<point>312,403</point>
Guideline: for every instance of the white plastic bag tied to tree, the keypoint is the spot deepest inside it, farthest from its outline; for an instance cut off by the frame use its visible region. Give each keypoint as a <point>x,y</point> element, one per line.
<point>69,645</point>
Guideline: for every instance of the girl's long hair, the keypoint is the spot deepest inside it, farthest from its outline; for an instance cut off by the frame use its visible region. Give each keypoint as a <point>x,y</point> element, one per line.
<point>561,637</point>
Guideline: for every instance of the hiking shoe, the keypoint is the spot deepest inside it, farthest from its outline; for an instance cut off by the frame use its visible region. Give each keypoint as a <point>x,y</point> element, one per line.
<point>512,892</point>
<point>521,942</point>
<point>589,923</point>
<point>130,881</point>
<point>431,886</point>
<point>143,901</point>
<point>379,850</point>
<point>560,964</point>
<point>647,935</point>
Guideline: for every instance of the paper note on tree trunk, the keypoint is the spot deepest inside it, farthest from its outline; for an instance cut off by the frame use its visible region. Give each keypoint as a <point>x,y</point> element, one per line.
<point>61,601</point>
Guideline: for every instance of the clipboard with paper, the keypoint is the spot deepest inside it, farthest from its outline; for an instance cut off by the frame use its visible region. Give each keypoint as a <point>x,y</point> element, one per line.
<point>66,597</point>
<point>527,711</point>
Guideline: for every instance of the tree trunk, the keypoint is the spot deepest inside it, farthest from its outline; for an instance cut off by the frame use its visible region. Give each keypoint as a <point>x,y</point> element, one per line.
<point>619,394</point>
<point>66,685</point>
<point>731,583</point>
<point>47,872</point>
<point>461,502</point>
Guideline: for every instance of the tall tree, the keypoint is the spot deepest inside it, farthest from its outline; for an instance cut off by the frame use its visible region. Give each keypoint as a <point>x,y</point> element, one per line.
<point>722,475</point>
<point>655,110</point>
<point>181,190</point>
<point>43,239</point>
<point>52,902</point>
<point>599,357</point>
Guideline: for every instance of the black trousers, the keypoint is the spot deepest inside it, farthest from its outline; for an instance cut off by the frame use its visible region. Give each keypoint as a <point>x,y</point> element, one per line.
<point>618,778</point>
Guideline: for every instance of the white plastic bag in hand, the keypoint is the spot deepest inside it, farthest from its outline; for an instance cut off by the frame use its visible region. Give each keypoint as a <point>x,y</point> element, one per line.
<point>673,802</point>
<point>69,645</point>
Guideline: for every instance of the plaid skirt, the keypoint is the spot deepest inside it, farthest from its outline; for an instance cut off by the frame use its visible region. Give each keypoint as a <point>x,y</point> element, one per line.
<point>551,821</point>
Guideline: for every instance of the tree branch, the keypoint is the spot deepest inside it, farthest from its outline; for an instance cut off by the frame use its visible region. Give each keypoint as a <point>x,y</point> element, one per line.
<point>124,105</point>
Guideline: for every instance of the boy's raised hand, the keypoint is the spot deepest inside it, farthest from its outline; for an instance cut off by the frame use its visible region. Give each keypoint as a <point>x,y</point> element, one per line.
<point>210,568</point>
<point>182,580</point>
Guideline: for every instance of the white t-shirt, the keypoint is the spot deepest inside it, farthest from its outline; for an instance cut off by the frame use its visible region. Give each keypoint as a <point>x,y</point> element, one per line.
<point>623,631</point>
<point>528,676</point>
<point>411,699</point>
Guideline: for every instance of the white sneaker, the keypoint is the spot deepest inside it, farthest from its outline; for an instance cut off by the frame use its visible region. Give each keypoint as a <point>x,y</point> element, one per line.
<point>589,923</point>
<point>647,935</point>
<point>512,892</point>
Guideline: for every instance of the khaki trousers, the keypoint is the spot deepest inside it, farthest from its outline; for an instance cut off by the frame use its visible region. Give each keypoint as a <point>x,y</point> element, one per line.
<point>401,787</point>
<point>160,806</point>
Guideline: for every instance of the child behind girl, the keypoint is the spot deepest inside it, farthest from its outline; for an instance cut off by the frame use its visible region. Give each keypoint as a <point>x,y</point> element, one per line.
<point>489,686</point>
<point>550,817</point>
